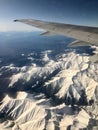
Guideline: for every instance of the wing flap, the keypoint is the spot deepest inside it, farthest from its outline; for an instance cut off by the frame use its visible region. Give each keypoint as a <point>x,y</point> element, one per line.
<point>47,33</point>
<point>78,43</point>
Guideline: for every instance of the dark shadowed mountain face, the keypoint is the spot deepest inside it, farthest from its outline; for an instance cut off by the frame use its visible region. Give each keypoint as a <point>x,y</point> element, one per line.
<point>46,85</point>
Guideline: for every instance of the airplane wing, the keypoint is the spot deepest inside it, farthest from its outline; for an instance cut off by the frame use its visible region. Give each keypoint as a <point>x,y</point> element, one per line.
<point>84,35</point>
<point>81,33</point>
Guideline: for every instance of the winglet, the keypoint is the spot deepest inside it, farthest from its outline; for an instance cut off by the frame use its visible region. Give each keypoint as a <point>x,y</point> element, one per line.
<point>16,20</point>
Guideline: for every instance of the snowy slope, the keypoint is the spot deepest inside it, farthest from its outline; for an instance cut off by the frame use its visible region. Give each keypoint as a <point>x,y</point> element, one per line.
<point>62,95</point>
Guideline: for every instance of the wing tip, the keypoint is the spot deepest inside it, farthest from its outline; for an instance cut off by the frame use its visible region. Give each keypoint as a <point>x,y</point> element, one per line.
<point>16,20</point>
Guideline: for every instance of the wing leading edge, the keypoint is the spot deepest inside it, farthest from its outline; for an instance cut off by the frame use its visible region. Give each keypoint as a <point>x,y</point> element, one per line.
<point>85,35</point>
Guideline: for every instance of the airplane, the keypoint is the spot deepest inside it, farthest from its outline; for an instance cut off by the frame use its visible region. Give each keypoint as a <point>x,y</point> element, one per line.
<point>84,35</point>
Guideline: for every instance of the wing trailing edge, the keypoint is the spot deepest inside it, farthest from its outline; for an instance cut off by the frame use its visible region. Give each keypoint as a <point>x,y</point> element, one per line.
<point>47,33</point>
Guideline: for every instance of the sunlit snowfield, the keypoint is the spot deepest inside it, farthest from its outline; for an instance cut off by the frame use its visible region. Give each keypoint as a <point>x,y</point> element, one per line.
<point>45,84</point>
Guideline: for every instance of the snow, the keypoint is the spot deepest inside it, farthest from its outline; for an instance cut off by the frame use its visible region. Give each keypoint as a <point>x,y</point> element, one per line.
<point>38,112</point>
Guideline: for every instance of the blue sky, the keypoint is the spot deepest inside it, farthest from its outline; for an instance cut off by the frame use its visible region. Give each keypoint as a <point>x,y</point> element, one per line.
<point>82,12</point>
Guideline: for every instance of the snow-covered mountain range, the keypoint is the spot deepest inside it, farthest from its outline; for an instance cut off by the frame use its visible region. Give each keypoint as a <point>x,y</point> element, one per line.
<point>60,95</point>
